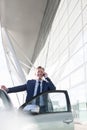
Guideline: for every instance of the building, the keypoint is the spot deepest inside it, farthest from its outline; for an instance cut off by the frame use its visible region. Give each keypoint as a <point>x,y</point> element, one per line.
<point>61,48</point>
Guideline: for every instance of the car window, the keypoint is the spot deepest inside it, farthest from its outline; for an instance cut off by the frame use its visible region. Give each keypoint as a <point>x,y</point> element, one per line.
<point>57,101</point>
<point>51,102</point>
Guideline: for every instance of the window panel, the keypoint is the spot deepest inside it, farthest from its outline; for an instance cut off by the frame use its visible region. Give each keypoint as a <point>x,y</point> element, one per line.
<point>85,51</point>
<point>85,34</point>
<point>80,97</point>
<point>78,76</point>
<point>76,28</point>
<point>75,14</point>
<point>76,60</point>
<point>85,16</point>
<point>65,84</point>
<point>84,3</point>
<point>72,5</point>
<point>76,44</point>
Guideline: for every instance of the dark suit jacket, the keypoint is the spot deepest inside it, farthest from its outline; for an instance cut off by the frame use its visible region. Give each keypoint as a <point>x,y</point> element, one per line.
<point>30,86</point>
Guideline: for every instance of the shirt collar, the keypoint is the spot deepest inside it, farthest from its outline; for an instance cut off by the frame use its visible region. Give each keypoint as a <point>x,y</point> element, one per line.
<point>39,80</point>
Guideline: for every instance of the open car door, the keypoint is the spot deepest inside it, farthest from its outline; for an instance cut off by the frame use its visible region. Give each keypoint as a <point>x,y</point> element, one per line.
<point>53,112</point>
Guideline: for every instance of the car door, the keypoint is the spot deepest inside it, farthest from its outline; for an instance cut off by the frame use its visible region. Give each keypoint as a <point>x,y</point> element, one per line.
<point>57,114</point>
<point>5,102</point>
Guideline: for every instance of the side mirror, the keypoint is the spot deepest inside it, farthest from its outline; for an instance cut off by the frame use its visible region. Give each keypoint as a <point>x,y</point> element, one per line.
<point>34,109</point>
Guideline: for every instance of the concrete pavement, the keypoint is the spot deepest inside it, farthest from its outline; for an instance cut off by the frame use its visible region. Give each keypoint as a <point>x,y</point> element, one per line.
<point>80,126</point>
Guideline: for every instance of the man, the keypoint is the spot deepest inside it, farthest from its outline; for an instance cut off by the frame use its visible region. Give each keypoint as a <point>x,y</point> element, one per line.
<point>31,87</point>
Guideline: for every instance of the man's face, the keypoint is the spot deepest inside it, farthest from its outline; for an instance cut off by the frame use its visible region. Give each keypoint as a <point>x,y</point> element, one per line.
<point>40,73</point>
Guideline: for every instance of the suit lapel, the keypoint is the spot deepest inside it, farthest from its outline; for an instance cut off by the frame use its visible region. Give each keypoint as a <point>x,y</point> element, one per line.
<point>44,86</point>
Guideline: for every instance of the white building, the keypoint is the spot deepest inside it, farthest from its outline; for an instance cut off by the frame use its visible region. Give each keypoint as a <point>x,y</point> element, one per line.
<point>61,47</point>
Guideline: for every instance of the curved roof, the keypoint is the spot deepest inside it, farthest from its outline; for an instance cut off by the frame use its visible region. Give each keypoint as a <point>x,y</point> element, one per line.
<point>22,20</point>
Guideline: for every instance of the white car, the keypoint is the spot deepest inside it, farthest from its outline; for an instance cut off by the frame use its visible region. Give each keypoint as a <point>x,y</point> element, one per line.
<point>52,113</point>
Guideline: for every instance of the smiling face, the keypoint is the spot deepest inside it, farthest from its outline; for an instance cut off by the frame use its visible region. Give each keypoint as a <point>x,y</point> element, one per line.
<point>40,72</point>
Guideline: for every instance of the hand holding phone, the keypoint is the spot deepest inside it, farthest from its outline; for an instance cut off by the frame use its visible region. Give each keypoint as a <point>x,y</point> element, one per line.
<point>45,74</point>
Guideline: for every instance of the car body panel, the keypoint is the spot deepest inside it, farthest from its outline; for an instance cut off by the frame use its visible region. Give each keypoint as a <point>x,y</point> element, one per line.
<point>54,121</point>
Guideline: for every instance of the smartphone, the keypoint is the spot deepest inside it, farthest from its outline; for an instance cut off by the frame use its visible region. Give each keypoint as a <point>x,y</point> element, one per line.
<point>44,74</point>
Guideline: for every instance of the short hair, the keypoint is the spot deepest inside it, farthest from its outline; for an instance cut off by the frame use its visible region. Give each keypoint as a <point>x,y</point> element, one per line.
<point>40,67</point>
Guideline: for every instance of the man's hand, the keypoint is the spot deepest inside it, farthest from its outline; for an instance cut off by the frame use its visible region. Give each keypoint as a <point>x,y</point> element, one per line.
<point>45,75</point>
<point>3,87</point>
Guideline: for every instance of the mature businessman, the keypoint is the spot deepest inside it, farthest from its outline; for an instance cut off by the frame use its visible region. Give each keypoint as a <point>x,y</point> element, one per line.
<point>32,86</point>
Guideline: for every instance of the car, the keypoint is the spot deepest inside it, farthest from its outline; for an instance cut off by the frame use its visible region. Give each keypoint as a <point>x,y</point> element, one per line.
<point>5,102</point>
<point>53,113</point>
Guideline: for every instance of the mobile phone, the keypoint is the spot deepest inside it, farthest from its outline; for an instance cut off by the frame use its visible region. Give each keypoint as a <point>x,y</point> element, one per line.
<point>44,74</point>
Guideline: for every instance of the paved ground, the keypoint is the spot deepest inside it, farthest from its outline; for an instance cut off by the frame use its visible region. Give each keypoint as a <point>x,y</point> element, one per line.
<point>81,126</point>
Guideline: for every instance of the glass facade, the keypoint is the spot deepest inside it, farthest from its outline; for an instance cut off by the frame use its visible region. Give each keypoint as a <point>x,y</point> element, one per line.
<point>64,55</point>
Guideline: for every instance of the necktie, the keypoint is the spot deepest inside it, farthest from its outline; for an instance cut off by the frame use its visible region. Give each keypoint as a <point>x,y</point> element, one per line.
<point>38,91</point>
<point>38,88</point>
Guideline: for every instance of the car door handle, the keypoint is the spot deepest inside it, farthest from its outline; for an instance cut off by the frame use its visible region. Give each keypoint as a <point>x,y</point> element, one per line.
<point>68,121</point>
